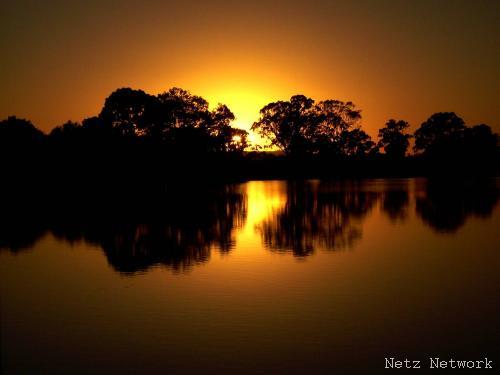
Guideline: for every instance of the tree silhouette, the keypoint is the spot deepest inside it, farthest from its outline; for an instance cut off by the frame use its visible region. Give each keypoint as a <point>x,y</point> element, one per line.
<point>184,109</point>
<point>355,143</point>
<point>137,135</point>
<point>19,135</point>
<point>481,143</point>
<point>333,120</point>
<point>68,134</point>
<point>225,137</point>
<point>97,131</point>
<point>440,135</point>
<point>130,112</point>
<point>22,151</point>
<point>287,124</point>
<point>445,138</point>
<point>175,119</point>
<point>301,127</point>
<point>393,139</point>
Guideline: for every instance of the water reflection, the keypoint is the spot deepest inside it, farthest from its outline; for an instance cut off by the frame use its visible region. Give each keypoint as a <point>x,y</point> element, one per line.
<point>67,310</point>
<point>316,215</point>
<point>446,205</point>
<point>178,233</point>
<point>183,227</point>
<point>395,204</point>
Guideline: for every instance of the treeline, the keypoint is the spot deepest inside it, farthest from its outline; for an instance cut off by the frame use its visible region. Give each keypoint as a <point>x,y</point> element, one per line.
<point>175,133</point>
<point>176,120</point>
<point>332,128</point>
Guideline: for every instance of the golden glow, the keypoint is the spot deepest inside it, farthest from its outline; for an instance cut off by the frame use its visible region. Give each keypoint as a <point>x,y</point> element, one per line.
<point>245,104</point>
<point>245,89</point>
<point>247,54</point>
<point>264,198</point>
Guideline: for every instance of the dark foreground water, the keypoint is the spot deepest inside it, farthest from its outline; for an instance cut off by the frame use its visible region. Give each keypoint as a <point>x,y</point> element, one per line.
<point>267,277</point>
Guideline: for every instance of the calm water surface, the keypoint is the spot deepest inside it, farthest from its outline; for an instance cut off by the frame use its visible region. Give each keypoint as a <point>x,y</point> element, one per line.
<point>265,277</point>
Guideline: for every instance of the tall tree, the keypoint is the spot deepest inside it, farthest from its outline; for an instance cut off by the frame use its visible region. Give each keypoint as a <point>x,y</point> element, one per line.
<point>184,109</point>
<point>440,134</point>
<point>130,112</point>
<point>356,143</point>
<point>393,138</point>
<point>300,126</point>
<point>287,124</point>
<point>335,116</point>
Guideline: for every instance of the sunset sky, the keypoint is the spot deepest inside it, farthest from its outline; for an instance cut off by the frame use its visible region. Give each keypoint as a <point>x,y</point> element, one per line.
<point>393,59</point>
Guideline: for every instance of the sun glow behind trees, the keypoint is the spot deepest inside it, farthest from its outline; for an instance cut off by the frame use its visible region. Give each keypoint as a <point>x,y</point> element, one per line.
<point>245,102</point>
<point>400,60</point>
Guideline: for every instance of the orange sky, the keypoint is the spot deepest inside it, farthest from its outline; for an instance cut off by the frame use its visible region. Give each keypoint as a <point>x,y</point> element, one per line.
<point>393,59</point>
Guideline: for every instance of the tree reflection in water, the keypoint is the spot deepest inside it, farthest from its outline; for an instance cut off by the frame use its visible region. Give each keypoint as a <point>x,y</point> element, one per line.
<point>317,216</point>
<point>179,229</point>
<point>395,204</point>
<point>446,205</point>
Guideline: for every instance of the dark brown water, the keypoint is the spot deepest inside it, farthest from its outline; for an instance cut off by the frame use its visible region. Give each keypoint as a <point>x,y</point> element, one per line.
<point>267,277</point>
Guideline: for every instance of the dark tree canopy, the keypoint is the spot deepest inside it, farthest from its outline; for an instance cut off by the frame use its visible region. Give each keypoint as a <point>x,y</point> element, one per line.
<point>19,134</point>
<point>445,136</point>
<point>176,132</point>
<point>287,124</point>
<point>439,133</point>
<point>335,116</point>
<point>481,142</point>
<point>356,143</point>
<point>68,132</point>
<point>393,138</point>
<point>181,121</point>
<point>96,129</point>
<point>184,109</point>
<point>225,137</point>
<point>300,126</point>
<point>129,111</point>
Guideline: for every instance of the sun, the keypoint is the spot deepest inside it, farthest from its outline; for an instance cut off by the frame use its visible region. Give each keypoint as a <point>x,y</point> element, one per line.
<point>245,103</point>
